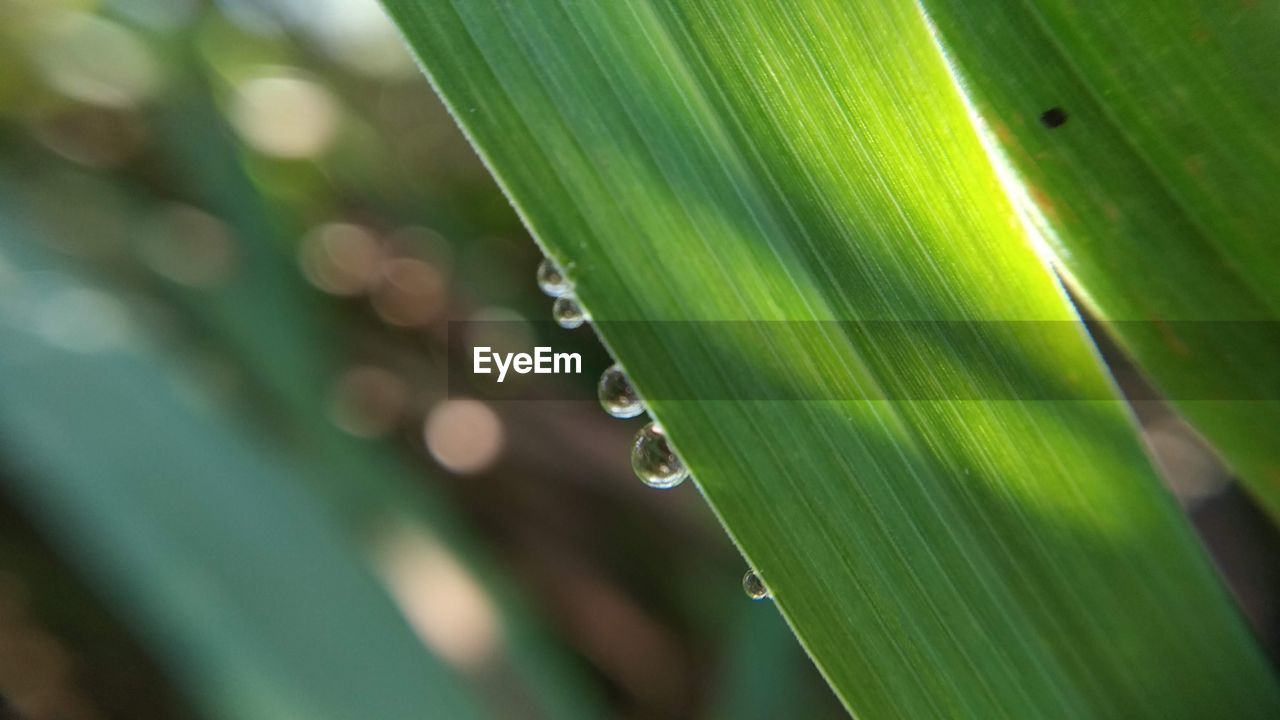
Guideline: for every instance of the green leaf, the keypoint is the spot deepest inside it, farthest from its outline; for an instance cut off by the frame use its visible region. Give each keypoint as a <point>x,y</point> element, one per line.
<point>205,542</point>
<point>1156,194</point>
<point>811,160</point>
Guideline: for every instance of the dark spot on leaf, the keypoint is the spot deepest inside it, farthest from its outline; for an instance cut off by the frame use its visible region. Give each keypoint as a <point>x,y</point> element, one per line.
<point>1053,117</point>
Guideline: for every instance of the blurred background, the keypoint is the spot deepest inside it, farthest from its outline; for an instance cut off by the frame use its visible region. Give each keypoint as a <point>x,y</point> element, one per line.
<point>234,237</point>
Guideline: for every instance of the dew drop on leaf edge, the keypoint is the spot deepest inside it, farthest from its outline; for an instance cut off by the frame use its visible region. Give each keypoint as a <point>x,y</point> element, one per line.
<point>754,587</point>
<point>567,312</point>
<point>551,279</point>
<point>617,396</point>
<point>654,461</point>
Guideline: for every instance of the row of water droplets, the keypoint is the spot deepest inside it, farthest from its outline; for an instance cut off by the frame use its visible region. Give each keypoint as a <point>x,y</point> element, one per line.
<point>654,460</point>
<point>652,457</point>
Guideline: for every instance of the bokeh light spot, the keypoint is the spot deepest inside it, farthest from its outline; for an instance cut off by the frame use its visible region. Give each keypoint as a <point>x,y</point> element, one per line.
<point>411,293</point>
<point>444,604</point>
<point>189,246</point>
<point>285,115</point>
<point>465,436</point>
<point>368,401</point>
<point>340,258</point>
<point>94,60</point>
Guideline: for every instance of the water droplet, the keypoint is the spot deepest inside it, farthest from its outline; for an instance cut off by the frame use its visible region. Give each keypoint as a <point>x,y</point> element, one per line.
<point>754,586</point>
<point>567,312</point>
<point>551,280</point>
<point>655,463</point>
<point>617,396</point>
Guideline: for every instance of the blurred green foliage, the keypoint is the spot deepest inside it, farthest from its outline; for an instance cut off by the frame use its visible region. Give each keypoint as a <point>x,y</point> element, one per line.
<point>232,237</point>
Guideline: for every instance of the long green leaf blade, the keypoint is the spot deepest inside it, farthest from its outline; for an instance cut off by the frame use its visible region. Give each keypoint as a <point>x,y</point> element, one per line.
<point>1156,193</point>
<point>811,161</point>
